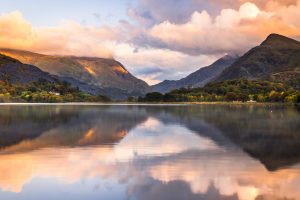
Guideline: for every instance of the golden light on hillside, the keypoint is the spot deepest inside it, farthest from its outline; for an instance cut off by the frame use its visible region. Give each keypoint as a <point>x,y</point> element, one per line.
<point>20,58</point>
<point>90,70</point>
<point>120,69</point>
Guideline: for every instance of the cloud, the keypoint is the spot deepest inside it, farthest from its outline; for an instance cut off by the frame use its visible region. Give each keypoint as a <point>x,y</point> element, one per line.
<point>156,11</point>
<point>261,3</point>
<point>169,38</point>
<point>69,38</point>
<point>232,31</point>
<point>154,64</point>
<point>15,31</point>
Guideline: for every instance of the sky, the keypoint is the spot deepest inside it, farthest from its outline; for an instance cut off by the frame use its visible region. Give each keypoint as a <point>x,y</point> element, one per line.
<point>154,39</point>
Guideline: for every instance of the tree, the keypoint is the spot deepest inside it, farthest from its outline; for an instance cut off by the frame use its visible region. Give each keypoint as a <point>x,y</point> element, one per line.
<point>169,98</point>
<point>230,96</point>
<point>101,98</point>
<point>154,97</point>
<point>291,98</point>
<point>243,97</point>
<point>274,96</point>
<point>130,99</point>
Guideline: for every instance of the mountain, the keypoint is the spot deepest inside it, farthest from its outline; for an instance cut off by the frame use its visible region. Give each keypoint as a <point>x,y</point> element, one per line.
<point>277,58</point>
<point>93,75</point>
<point>14,71</point>
<point>198,78</point>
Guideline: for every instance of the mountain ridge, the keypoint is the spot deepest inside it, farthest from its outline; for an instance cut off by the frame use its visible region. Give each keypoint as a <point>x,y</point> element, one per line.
<point>198,78</point>
<point>277,56</point>
<point>277,38</point>
<point>91,74</point>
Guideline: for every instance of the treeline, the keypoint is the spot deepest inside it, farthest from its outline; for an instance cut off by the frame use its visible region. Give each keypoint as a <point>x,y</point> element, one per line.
<point>44,91</point>
<point>232,90</point>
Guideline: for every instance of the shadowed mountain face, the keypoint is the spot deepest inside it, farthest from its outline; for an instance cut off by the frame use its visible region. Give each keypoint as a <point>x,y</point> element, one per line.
<point>92,75</point>
<point>277,58</point>
<point>198,78</point>
<point>13,71</point>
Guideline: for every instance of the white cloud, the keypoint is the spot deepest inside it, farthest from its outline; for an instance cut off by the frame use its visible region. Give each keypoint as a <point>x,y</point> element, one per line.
<point>154,65</point>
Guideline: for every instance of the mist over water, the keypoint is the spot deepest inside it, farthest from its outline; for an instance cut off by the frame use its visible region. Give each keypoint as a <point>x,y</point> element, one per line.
<point>197,152</point>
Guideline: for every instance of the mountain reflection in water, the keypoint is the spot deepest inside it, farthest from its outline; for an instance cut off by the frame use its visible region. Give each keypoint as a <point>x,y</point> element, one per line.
<point>199,152</point>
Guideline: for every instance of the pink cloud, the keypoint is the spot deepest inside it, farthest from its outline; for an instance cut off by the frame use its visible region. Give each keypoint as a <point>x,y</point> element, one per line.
<point>231,31</point>
<point>69,38</point>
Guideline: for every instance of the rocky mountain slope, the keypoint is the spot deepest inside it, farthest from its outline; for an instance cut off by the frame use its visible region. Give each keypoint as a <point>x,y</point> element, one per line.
<point>277,58</point>
<point>198,78</point>
<point>92,75</point>
<point>14,71</point>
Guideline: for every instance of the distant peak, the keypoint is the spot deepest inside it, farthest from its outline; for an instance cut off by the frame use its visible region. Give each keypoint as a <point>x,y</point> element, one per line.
<point>274,39</point>
<point>168,81</point>
<point>230,56</point>
<point>275,36</point>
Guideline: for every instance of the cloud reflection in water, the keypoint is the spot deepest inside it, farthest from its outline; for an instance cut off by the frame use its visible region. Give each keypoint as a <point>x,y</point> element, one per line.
<point>143,150</point>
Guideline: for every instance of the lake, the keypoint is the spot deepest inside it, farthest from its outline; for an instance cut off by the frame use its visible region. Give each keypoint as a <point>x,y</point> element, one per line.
<point>149,152</point>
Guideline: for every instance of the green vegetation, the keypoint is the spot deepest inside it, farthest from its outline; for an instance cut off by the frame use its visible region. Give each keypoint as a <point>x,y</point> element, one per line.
<point>232,90</point>
<point>44,91</point>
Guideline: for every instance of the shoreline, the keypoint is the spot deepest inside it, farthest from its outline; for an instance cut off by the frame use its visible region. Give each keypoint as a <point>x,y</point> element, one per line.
<point>151,104</point>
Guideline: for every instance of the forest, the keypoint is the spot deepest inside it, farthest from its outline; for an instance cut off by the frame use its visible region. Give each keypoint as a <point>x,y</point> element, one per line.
<point>232,90</point>
<point>43,91</point>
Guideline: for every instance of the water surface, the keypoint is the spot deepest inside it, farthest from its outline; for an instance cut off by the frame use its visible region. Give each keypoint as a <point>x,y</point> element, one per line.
<point>197,152</point>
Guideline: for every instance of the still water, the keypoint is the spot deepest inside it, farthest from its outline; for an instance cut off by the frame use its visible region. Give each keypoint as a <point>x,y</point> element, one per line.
<point>116,152</point>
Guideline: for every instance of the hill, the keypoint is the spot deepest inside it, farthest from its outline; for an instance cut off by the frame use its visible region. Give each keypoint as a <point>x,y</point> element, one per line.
<point>26,83</point>
<point>277,58</point>
<point>92,75</point>
<point>197,79</point>
<point>13,71</point>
